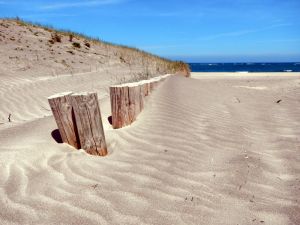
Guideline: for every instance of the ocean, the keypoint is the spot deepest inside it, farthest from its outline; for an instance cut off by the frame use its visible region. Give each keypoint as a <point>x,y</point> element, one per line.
<point>245,67</point>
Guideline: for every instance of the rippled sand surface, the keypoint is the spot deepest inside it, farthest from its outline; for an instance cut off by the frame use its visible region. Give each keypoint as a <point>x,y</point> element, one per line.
<point>219,150</point>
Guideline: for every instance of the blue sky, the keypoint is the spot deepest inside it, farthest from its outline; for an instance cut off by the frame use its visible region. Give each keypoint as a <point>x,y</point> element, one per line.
<point>189,30</point>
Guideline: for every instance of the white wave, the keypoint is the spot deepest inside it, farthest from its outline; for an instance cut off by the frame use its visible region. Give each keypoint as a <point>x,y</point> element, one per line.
<point>250,87</point>
<point>242,71</point>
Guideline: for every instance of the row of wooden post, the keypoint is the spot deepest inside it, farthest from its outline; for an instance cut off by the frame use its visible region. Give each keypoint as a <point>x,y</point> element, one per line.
<point>78,115</point>
<point>128,100</point>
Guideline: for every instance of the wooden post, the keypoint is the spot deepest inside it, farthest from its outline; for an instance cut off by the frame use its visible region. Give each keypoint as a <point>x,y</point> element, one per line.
<point>153,85</point>
<point>145,89</point>
<point>126,103</point>
<point>134,93</point>
<point>144,93</point>
<point>128,100</point>
<point>119,100</point>
<point>62,110</point>
<point>89,123</point>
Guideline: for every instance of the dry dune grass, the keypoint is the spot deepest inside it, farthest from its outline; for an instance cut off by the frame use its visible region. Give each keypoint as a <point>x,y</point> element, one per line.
<point>28,47</point>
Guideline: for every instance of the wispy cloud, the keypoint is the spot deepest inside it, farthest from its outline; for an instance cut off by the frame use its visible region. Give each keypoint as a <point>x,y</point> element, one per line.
<point>158,47</point>
<point>297,40</point>
<point>243,32</point>
<point>63,5</point>
<point>167,14</point>
<point>182,13</point>
<point>44,16</point>
<point>222,35</point>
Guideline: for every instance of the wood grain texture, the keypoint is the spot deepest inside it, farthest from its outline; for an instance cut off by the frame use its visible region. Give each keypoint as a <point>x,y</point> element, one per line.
<point>134,94</point>
<point>61,107</point>
<point>89,123</point>
<point>125,105</point>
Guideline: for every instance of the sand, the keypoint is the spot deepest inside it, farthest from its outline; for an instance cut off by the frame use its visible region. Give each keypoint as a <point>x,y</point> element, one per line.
<point>210,150</point>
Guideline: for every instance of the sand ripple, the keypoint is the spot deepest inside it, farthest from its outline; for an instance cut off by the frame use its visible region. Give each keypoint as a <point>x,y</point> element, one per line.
<point>194,156</point>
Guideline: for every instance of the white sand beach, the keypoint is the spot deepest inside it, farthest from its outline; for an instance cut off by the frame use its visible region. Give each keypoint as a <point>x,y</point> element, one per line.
<point>219,149</point>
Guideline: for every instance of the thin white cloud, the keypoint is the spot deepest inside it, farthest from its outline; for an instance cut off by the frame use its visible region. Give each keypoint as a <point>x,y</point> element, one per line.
<point>221,35</point>
<point>242,32</point>
<point>281,40</point>
<point>153,47</point>
<point>10,2</point>
<point>77,4</point>
<point>46,15</point>
<point>168,14</point>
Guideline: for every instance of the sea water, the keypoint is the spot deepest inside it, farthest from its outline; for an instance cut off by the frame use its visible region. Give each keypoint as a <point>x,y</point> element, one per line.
<point>245,67</point>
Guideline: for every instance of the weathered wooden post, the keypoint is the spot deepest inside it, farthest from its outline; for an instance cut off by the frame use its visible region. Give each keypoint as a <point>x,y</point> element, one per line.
<point>144,93</point>
<point>89,123</point>
<point>153,85</point>
<point>79,121</point>
<point>134,93</point>
<point>119,100</point>
<point>128,100</point>
<point>126,103</point>
<point>145,88</point>
<point>61,107</point>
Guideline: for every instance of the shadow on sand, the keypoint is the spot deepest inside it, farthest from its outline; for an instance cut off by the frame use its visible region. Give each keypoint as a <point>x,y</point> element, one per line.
<point>56,136</point>
<point>109,119</point>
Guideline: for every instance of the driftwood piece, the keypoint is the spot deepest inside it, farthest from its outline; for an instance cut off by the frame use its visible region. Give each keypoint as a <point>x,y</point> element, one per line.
<point>89,123</point>
<point>62,110</point>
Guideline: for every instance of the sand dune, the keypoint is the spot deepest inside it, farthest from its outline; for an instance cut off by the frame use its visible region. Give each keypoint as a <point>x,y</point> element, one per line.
<point>36,51</point>
<point>204,151</point>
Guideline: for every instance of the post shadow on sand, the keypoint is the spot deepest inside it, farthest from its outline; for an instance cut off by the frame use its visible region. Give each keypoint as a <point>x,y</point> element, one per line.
<point>56,136</point>
<point>109,119</point>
